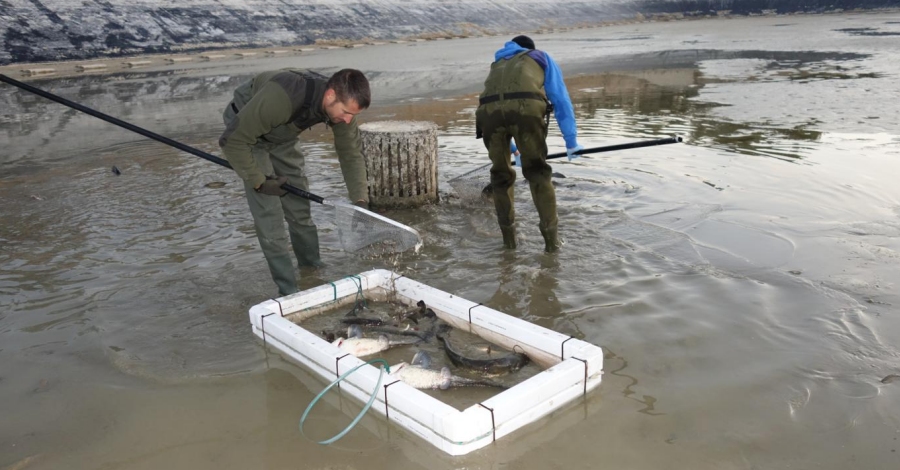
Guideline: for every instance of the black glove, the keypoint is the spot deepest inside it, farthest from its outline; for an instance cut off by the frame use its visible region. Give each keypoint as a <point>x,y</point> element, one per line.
<point>272,186</point>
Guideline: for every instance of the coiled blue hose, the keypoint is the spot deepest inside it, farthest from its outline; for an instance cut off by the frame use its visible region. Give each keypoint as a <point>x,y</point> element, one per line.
<point>341,434</point>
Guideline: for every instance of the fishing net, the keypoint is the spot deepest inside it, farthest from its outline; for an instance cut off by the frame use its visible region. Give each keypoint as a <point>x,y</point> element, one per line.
<point>360,230</point>
<point>469,185</point>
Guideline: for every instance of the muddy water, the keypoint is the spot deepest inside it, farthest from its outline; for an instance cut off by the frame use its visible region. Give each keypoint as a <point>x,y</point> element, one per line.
<point>742,284</point>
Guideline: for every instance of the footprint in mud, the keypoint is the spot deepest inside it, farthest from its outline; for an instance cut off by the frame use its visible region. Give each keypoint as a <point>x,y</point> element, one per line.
<point>890,379</point>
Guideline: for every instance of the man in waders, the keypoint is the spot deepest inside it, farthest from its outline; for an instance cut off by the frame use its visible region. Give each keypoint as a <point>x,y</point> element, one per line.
<point>263,122</point>
<point>515,104</point>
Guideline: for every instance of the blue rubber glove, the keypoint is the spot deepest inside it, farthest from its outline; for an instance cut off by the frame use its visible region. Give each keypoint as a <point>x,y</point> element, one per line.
<point>571,151</point>
<point>518,158</point>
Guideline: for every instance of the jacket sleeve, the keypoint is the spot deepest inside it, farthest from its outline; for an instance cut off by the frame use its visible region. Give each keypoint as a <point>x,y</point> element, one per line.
<point>269,108</point>
<point>562,104</point>
<point>353,165</point>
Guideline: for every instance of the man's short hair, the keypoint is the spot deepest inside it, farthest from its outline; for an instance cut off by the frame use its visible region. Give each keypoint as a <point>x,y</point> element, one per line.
<point>351,84</point>
<point>524,41</point>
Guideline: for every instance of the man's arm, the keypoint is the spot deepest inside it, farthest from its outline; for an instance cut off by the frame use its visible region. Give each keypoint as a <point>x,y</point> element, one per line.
<point>269,108</point>
<point>562,104</point>
<point>353,165</point>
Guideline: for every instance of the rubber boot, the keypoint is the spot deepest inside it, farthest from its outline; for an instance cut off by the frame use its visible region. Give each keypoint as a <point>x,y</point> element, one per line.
<point>506,213</point>
<point>509,236</point>
<point>551,239</point>
<point>282,270</point>
<point>305,242</point>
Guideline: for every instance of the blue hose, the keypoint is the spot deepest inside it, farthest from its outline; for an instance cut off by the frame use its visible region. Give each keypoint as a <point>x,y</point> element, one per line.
<point>361,413</point>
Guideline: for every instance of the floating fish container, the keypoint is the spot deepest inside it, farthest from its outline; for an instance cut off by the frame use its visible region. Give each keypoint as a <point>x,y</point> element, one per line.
<point>572,367</point>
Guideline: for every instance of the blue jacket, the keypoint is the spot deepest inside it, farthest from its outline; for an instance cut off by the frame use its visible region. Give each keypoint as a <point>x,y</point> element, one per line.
<point>553,86</point>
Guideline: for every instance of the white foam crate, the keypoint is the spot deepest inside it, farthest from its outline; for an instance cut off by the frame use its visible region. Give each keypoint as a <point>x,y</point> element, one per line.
<point>572,367</point>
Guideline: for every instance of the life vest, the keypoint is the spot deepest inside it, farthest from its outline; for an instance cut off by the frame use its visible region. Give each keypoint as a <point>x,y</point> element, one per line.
<point>306,115</point>
<point>519,77</point>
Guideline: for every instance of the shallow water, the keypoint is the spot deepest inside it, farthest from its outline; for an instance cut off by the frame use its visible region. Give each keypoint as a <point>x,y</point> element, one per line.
<point>742,284</point>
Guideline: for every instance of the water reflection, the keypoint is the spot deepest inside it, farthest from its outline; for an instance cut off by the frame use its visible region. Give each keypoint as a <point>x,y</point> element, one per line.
<point>528,291</point>
<point>660,102</point>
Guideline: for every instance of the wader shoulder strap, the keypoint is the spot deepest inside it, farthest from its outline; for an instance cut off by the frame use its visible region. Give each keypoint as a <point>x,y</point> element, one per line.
<point>311,79</point>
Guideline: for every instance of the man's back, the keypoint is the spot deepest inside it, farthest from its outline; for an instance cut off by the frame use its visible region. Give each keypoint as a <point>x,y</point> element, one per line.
<point>520,73</point>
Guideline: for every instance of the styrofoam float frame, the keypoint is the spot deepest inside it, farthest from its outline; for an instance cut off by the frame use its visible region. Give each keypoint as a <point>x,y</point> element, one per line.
<point>573,367</point>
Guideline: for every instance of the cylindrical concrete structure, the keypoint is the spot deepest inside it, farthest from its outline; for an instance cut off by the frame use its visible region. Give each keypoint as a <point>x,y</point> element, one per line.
<point>401,161</point>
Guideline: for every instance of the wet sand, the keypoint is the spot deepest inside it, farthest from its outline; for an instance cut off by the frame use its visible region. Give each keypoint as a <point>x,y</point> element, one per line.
<point>173,61</point>
<point>176,60</point>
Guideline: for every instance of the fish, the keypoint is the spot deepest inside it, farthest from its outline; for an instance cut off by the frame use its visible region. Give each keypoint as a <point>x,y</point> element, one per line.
<point>418,374</point>
<point>386,329</point>
<point>364,321</point>
<point>421,311</point>
<point>392,330</point>
<point>352,317</point>
<point>358,306</point>
<point>493,366</point>
<point>358,346</point>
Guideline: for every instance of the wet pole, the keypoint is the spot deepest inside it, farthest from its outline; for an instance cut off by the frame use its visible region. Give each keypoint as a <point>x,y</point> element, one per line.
<point>611,148</point>
<point>144,132</point>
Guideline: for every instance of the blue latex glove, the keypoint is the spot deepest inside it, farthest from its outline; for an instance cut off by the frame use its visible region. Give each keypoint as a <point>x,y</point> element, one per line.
<point>571,151</point>
<point>518,158</point>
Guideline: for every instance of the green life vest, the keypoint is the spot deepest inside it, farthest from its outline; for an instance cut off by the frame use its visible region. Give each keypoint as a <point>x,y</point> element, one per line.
<point>296,83</point>
<point>517,74</point>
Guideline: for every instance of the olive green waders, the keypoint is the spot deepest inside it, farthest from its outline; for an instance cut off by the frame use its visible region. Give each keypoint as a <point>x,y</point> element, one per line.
<point>524,120</point>
<point>270,212</point>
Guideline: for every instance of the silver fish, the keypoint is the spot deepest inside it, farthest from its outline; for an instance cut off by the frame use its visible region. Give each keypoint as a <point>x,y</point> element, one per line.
<point>358,346</point>
<point>418,374</point>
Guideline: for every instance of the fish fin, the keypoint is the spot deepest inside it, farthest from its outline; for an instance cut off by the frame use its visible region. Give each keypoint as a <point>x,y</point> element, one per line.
<point>354,331</point>
<point>446,378</point>
<point>422,359</point>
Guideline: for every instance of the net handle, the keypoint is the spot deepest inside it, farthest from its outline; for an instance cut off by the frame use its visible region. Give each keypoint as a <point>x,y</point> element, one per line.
<point>191,150</point>
<point>144,132</point>
<point>606,148</point>
<point>610,148</point>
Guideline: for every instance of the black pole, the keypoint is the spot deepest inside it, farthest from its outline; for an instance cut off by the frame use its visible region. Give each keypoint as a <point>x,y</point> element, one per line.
<point>610,148</point>
<point>144,132</point>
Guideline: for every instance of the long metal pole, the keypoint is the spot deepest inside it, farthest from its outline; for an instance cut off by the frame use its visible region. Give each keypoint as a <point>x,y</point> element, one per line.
<point>144,132</point>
